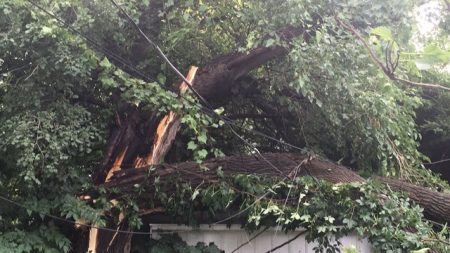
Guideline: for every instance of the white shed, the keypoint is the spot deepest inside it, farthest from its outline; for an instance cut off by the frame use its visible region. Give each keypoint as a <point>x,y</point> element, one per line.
<point>231,238</point>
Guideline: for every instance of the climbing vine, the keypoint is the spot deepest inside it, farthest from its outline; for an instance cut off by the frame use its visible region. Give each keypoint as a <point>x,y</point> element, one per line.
<point>389,220</point>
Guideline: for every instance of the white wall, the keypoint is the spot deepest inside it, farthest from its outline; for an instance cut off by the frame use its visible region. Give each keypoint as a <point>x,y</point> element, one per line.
<point>229,239</point>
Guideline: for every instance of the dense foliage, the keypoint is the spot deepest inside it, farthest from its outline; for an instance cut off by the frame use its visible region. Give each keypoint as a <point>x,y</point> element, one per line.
<point>59,94</point>
<point>327,211</point>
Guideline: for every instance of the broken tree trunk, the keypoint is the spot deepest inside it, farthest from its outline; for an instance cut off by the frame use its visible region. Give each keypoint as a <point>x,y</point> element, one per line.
<point>135,128</point>
<point>134,147</point>
<point>141,137</point>
<point>436,205</point>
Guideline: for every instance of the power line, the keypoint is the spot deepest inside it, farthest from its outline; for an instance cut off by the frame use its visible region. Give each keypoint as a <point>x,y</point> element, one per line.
<point>161,53</point>
<point>256,132</point>
<point>70,221</point>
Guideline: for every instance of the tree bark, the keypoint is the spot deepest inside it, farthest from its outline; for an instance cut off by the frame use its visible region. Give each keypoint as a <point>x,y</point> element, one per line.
<point>436,205</point>
<point>139,142</point>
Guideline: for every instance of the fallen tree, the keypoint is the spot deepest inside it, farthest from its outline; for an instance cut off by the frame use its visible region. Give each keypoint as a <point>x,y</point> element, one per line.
<point>65,84</point>
<point>436,205</point>
<point>248,190</point>
<point>141,137</point>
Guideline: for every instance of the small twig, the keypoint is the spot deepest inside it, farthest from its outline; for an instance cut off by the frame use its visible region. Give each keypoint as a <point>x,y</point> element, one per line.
<point>426,85</point>
<point>436,223</point>
<point>386,56</point>
<point>32,72</point>
<point>378,62</point>
<point>352,30</point>
<point>114,236</point>
<point>14,69</point>
<point>293,175</point>
<point>152,211</point>
<point>396,61</point>
<point>286,242</point>
<point>249,240</point>
<point>440,161</point>
<point>437,240</point>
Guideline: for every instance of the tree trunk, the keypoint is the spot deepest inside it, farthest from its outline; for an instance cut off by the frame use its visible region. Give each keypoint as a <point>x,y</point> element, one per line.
<point>138,142</point>
<point>436,205</point>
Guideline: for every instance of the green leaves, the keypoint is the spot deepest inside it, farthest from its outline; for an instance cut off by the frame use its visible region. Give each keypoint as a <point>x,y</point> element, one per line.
<point>46,238</point>
<point>432,55</point>
<point>46,30</point>
<point>383,32</point>
<point>59,95</point>
<point>327,212</point>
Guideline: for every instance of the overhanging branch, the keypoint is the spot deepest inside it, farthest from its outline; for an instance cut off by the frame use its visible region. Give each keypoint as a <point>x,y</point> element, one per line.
<point>386,70</point>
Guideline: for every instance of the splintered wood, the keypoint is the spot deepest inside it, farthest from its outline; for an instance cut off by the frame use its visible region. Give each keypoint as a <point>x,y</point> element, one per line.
<point>166,130</point>
<point>163,137</point>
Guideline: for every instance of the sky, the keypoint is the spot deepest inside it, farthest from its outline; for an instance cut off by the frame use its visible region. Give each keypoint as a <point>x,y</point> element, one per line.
<point>428,17</point>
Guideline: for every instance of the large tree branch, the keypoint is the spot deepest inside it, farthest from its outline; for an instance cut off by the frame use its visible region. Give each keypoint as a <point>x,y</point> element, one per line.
<point>435,204</point>
<point>216,80</point>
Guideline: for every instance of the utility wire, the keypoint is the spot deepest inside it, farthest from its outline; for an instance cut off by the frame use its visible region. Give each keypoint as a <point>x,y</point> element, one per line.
<point>161,53</point>
<point>256,132</point>
<point>70,221</point>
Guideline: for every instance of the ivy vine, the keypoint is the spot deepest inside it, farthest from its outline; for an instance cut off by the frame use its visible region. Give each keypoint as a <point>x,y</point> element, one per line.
<point>389,220</point>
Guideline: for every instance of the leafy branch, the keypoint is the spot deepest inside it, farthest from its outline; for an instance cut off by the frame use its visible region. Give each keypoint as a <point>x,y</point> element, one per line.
<point>390,67</point>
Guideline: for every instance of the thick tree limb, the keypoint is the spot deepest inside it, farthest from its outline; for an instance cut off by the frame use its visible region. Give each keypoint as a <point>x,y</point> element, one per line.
<point>436,205</point>
<point>216,79</point>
